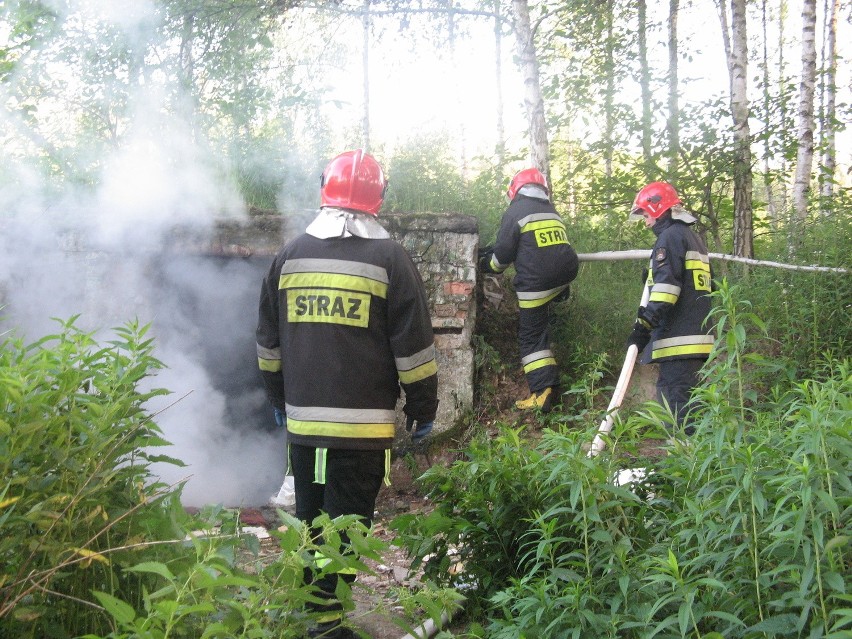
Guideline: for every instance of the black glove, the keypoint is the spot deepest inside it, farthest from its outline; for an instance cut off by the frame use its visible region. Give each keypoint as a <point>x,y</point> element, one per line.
<point>421,430</point>
<point>485,263</point>
<point>640,336</point>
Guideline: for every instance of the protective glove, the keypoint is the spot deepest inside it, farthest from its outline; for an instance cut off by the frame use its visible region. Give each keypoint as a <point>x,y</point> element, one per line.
<point>485,263</point>
<point>280,417</point>
<point>640,336</point>
<point>421,430</point>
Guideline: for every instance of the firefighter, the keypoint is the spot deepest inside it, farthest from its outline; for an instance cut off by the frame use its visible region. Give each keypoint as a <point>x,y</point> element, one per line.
<point>675,319</point>
<point>532,236</point>
<point>343,324</point>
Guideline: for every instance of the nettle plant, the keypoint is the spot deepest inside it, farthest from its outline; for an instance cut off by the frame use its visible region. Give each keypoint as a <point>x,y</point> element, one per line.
<point>745,530</point>
<point>91,545</point>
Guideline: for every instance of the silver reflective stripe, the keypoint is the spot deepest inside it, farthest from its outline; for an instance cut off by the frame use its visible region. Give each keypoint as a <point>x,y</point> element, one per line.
<point>536,356</point>
<point>413,361</point>
<point>684,340</point>
<point>538,217</point>
<point>496,264</point>
<point>340,267</point>
<point>537,295</point>
<point>666,288</point>
<point>695,255</point>
<point>340,415</point>
<point>268,353</point>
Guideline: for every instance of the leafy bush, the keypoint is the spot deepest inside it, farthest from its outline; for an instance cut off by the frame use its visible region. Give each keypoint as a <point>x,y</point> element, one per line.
<point>742,531</point>
<point>91,545</point>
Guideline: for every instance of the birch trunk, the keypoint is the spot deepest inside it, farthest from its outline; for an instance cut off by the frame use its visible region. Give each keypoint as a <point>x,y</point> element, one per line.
<point>533,100</point>
<point>498,79</point>
<point>736,46</point>
<point>805,151</point>
<point>673,122</point>
<point>645,86</point>
<point>365,62</point>
<point>829,115</point>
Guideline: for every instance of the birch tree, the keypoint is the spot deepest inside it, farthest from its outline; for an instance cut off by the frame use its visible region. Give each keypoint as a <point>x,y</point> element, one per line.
<point>805,149</point>
<point>673,122</point>
<point>646,124</point>
<point>533,99</point>
<point>829,114</point>
<point>735,40</point>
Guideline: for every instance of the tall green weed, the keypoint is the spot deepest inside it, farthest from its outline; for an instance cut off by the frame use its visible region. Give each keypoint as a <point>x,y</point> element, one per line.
<point>744,530</point>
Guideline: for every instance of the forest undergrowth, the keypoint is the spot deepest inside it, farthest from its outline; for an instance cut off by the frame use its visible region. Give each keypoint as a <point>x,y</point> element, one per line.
<point>740,531</point>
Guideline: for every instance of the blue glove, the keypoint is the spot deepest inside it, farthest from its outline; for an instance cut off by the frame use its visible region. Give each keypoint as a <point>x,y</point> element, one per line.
<point>420,431</point>
<point>280,417</point>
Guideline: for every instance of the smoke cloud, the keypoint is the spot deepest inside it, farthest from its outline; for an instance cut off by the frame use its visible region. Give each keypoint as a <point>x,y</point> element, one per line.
<point>99,251</point>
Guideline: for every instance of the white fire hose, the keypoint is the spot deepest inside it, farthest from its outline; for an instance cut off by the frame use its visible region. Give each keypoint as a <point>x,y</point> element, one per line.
<point>620,388</point>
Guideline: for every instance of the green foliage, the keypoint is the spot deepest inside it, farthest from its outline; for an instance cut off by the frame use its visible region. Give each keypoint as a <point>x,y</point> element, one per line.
<point>424,177</point>
<point>745,530</point>
<point>91,545</point>
<point>76,495</point>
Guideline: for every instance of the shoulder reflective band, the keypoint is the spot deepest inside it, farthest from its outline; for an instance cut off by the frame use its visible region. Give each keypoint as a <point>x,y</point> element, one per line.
<point>338,274</point>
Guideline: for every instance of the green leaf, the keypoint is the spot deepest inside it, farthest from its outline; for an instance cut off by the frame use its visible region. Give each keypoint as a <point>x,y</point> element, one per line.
<point>122,612</point>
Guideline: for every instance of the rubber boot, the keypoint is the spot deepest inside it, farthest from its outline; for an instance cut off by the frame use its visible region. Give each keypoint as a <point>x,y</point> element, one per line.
<point>543,400</point>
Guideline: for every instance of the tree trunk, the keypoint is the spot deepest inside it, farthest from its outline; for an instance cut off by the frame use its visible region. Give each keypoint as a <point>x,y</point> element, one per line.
<point>609,92</point>
<point>533,100</point>
<point>736,46</point>
<point>365,61</point>
<point>673,123</point>
<point>805,152</point>
<point>645,86</point>
<point>498,79</point>
<point>771,206</point>
<point>829,114</point>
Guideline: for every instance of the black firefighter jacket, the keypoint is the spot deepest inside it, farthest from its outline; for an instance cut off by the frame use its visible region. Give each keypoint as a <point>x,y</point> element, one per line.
<point>679,303</point>
<point>343,322</point>
<point>532,235</point>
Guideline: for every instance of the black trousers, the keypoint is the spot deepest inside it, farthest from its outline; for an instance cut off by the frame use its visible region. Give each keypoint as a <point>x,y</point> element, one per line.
<point>534,343</point>
<point>675,382</point>
<point>352,482</point>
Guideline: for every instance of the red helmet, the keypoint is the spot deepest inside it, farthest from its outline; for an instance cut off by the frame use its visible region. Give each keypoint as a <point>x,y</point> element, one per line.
<point>655,199</point>
<point>527,176</point>
<point>353,180</point>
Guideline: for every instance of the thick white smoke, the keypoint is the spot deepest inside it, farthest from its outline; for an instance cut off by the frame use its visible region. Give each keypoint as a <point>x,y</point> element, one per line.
<point>98,251</point>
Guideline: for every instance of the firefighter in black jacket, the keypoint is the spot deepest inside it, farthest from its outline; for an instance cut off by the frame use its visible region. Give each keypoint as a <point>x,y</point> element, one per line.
<point>344,323</point>
<point>532,235</point>
<point>674,320</point>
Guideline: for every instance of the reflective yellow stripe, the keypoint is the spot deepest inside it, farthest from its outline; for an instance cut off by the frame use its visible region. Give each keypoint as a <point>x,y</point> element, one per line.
<point>269,365</point>
<point>332,429</point>
<point>697,265</point>
<point>387,467</point>
<point>421,372</point>
<point>541,363</point>
<point>668,298</point>
<point>532,299</point>
<point>320,463</point>
<point>692,349</point>
<point>496,266</point>
<point>335,281</point>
